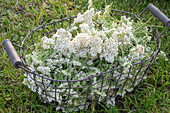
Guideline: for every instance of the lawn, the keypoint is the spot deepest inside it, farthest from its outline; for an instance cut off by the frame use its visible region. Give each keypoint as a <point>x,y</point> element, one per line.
<point>19,17</point>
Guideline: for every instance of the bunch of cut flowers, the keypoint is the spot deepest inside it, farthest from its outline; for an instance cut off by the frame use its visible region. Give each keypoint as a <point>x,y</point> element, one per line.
<point>92,44</point>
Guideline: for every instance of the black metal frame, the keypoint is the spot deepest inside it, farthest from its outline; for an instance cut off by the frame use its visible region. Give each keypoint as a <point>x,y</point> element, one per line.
<point>141,70</point>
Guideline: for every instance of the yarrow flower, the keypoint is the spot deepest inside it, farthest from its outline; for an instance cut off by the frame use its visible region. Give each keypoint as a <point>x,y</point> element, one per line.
<point>44,70</point>
<point>94,43</point>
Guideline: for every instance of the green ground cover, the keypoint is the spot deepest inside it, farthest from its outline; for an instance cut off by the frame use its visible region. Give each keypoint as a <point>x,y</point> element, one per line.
<point>18,17</point>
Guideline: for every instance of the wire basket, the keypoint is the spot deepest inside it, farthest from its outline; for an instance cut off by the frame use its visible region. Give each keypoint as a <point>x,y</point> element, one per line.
<point>139,70</point>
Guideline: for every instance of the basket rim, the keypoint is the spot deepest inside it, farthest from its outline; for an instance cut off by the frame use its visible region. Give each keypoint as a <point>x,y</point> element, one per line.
<point>153,56</point>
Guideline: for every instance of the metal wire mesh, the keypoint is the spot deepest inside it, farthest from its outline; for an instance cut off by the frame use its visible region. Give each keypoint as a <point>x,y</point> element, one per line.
<point>136,72</point>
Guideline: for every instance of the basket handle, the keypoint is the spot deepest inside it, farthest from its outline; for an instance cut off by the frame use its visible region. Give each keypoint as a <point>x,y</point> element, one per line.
<point>157,13</point>
<point>15,59</point>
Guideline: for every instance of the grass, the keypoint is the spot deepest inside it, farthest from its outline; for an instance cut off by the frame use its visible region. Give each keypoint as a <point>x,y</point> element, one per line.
<point>18,17</point>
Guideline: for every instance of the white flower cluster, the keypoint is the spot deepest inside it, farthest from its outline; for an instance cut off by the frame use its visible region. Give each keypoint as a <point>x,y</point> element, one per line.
<point>110,49</point>
<point>85,18</point>
<point>137,52</point>
<point>47,42</point>
<point>29,81</point>
<point>93,44</point>
<point>62,39</point>
<point>44,70</point>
